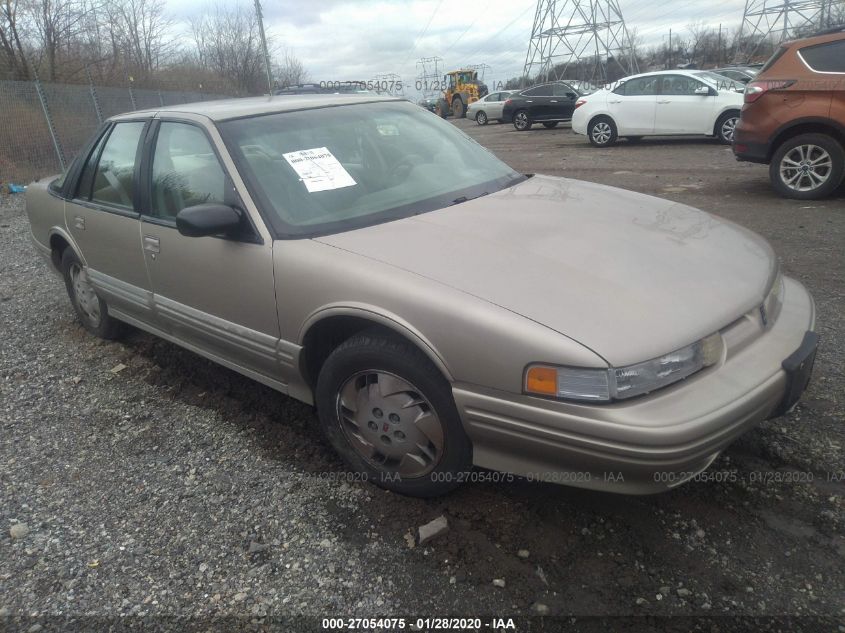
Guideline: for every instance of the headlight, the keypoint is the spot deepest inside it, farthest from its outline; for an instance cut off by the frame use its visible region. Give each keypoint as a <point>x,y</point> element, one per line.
<point>603,385</point>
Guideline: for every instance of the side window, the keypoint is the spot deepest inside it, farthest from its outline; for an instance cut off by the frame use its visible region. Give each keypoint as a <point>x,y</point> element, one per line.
<point>679,85</point>
<point>826,58</point>
<point>114,177</point>
<point>186,171</point>
<point>83,186</point>
<point>641,86</point>
<point>539,91</point>
<point>561,90</point>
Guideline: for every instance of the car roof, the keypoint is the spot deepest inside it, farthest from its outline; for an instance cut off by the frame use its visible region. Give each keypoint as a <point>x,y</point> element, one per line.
<point>674,71</point>
<point>223,109</point>
<point>829,35</point>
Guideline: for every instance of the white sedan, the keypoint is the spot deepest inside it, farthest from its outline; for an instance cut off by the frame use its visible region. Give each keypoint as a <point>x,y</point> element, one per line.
<point>672,102</point>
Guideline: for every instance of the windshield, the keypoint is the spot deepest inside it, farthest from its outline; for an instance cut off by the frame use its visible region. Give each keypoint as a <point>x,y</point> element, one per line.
<point>332,169</point>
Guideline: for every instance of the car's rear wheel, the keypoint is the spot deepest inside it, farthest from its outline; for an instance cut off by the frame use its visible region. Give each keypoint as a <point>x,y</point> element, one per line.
<point>602,132</point>
<point>389,413</point>
<point>481,118</point>
<point>521,120</point>
<point>807,167</point>
<point>725,127</point>
<point>91,310</point>
<point>550,124</point>
<point>634,139</point>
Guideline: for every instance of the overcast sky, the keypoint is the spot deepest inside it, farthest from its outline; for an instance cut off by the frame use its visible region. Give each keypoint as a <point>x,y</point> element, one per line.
<point>357,39</point>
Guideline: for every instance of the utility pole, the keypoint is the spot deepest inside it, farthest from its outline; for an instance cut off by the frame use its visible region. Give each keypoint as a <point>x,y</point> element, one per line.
<point>671,53</point>
<point>719,48</point>
<point>264,46</point>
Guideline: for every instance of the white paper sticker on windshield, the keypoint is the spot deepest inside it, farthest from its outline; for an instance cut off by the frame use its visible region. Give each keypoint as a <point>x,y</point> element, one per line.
<point>319,169</point>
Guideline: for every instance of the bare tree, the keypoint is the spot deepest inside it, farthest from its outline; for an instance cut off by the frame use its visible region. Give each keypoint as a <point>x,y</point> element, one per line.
<point>291,71</point>
<point>228,42</point>
<point>10,39</point>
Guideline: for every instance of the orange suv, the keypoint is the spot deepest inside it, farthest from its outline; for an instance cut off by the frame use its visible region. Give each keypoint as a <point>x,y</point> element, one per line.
<point>794,116</point>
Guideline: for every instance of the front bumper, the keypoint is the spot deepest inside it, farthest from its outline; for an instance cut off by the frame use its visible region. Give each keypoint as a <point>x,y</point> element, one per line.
<point>652,443</point>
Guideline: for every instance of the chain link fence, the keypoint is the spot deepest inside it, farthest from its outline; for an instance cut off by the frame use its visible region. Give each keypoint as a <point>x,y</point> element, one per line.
<point>43,125</point>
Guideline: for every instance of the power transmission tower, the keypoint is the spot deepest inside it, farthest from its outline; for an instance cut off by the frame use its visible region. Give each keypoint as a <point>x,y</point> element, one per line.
<point>389,83</point>
<point>429,80</point>
<point>774,21</point>
<point>587,38</point>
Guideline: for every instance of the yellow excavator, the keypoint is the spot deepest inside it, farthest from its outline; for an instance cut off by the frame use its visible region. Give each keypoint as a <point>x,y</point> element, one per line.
<point>462,88</point>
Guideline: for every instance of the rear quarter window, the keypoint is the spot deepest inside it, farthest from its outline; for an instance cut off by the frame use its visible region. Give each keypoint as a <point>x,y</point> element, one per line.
<point>825,58</point>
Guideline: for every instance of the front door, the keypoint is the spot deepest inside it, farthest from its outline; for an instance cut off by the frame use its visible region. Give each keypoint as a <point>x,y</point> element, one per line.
<point>214,293</point>
<point>684,106</point>
<point>563,102</point>
<point>538,100</point>
<point>102,218</point>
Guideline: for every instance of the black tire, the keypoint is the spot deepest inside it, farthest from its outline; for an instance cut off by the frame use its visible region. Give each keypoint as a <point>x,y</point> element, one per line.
<point>481,118</point>
<point>379,351</point>
<point>459,110</point>
<point>550,124</point>
<point>104,326</point>
<point>522,121</point>
<point>634,139</point>
<point>725,126</point>
<point>442,108</point>
<point>834,174</point>
<point>602,132</point>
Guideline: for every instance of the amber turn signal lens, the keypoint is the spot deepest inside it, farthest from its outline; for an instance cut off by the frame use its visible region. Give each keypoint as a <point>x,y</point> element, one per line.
<point>542,380</point>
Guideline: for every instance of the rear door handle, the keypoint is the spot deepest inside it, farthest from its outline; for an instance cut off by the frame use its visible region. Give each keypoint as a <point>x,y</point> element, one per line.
<point>664,102</point>
<point>617,101</point>
<point>79,223</point>
<point>553,101</point>
<point>151,244</point>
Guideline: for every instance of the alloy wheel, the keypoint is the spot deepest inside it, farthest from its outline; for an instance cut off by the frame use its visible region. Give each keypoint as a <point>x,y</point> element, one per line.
<point>481,118</point>
<point>601,132</point>
<point>390,424</point>
<point>805,167</point>
<point>521,120</point>
<point>728,128</point>
<point>84,294</point>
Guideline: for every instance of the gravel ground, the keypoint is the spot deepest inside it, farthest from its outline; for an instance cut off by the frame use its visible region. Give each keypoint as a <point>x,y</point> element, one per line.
<point>138,479</point>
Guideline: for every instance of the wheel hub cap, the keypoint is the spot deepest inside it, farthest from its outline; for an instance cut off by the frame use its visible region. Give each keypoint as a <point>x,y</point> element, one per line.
<point>84,294</point>
<point>390,424</point>
<point>805,167</point>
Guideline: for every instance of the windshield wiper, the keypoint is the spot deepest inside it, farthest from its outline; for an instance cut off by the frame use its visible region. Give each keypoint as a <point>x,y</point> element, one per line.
<point>461,199</point>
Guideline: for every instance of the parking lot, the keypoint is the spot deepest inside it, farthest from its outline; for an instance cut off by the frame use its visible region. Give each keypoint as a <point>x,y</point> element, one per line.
<point>153,482</point>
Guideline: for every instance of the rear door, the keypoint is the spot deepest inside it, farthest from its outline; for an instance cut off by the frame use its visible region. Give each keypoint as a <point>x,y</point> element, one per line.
<point>214,293</point>
<point>632,105</point>
<point>102,217</point>
<point>538,101</point>
<point>493,105</point>
<point>684,106</point>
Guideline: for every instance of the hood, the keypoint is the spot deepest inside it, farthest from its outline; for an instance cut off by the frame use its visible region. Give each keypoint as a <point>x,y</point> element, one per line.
<point>627,275</point>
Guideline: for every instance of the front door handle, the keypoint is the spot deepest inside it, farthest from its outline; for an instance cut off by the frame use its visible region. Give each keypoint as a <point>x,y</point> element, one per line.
<point>664,102</point>
<point>553,101</point>
<point>151,244</point>
<point>79,223</point>
<point>617,101</point>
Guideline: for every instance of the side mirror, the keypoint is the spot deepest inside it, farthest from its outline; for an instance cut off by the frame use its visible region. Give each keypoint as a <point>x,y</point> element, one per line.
<point>208,219</point>
<point>706,91</point>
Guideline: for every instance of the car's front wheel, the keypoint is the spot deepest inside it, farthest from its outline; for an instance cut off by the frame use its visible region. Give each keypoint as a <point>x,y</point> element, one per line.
<point>602,132</point>
<point>92,311</point>
<point>521,120</point>
<point>389,413</point>
<point>807,167</point>
<point>481,118</point>
<point>550,124</point>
